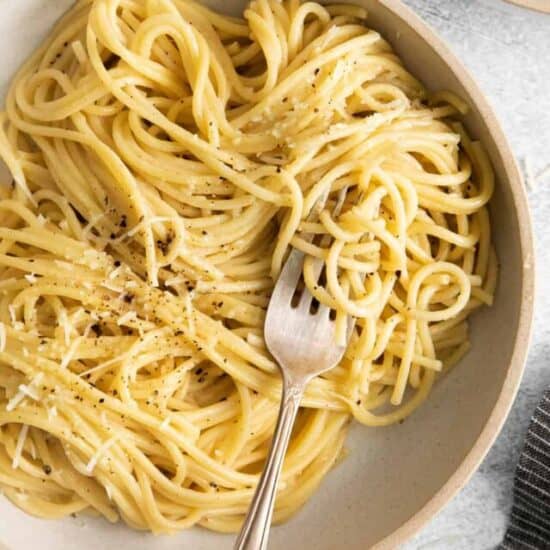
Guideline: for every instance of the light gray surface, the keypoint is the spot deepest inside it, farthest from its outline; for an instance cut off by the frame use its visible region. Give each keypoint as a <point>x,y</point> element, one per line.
<point>507,49</point>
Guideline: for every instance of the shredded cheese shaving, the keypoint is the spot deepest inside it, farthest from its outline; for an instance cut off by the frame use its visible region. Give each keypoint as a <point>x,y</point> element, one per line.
<point>2,337</point>
<point>19,447</point>
<point>99,453</point>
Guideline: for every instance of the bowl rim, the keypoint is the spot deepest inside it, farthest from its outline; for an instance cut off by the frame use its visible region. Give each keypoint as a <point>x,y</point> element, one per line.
<point>538,5</point>
<point>494,423</point>
<point>496,419</point>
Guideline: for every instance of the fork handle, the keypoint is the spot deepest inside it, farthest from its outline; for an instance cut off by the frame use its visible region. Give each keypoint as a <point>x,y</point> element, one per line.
<point>255,530</point>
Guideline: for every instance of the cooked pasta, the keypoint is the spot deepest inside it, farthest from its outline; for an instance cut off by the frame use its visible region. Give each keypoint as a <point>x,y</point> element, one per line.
<point>165,158</point>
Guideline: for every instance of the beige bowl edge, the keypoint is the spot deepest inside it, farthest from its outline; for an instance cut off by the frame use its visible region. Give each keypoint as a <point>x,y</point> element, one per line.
<point>511,384</point>
<point>538,5</point>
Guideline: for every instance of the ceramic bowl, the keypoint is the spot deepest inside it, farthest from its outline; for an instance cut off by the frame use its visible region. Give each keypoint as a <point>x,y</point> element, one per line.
<point>394,479</point>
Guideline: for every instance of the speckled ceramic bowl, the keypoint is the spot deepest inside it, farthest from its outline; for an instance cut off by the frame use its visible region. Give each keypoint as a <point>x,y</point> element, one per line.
<point>394,479</point>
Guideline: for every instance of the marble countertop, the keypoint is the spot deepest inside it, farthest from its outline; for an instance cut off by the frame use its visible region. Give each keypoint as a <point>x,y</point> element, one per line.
<point>507,49</point>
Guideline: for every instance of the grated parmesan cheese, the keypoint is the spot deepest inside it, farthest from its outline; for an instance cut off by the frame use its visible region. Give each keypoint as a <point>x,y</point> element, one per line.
<point>112,287</point>
<point>67,327</point>
<point>129,316</point>
<point>174,281</point>
<point>189,310</point>
<point>255,340</point>
<point>92,258</point>
<point>19,447</point>
<point>2,337</point>
<point>150,221</point>
<point>31,278</point>
<point>66,359</point>
<point>13,316</point>
<point>52,413</point>
<point>29,391</point>
<point>98,454</point>
<point>33,449</point>
<point>14,401</point>
<point>25,391</point>
<point>164,424</point>
<point>114,274</point>
<point>105,364</point>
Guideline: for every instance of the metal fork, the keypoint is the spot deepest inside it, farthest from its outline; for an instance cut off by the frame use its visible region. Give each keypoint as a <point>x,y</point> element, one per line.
<point>304,345</point>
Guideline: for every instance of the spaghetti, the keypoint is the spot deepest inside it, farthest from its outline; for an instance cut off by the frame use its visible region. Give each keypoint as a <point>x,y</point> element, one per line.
<point>164,159</point>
